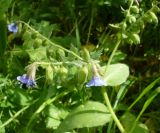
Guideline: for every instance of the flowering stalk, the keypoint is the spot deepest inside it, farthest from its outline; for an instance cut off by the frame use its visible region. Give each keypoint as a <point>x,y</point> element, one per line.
<point>54,44</point>
<point>119,125</point>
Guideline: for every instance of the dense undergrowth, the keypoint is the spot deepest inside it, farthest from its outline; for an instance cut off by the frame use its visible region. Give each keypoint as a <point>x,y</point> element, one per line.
<point>87,66</point>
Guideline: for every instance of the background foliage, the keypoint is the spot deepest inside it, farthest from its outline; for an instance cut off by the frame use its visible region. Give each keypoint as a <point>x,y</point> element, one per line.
<point>63,38</point>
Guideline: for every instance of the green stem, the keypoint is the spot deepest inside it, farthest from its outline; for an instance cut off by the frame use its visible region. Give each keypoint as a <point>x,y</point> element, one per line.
<point>119,125</point>
<point>113,52</point>
<point>56,63</point>
<point>54,44</point>
<point>90,26</point>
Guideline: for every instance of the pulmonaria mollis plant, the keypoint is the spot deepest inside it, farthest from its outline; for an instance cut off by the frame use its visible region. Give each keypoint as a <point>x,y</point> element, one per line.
<point>29,78</point>
<point>13,27</point>
<point>96,79</point>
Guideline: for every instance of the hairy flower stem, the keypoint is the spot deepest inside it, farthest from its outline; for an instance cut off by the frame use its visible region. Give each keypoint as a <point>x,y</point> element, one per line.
<point>119,125</point>
<point>54,44</point>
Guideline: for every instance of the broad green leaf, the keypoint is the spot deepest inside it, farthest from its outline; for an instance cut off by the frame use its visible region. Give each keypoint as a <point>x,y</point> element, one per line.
<point>128,120</point>
<point>90,114</point>
<point>116,74</point>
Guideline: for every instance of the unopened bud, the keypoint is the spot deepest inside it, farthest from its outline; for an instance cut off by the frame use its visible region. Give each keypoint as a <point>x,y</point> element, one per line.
<point>27,34</point>
<point>134,9</point>
<point>49,74</point>
<point>131,19</point>
<point>135,38</point>
<point>37,42</point>
<point>82,75</point>
<point>63,73</point>
<point>85,54</point>
<point>60,54</point>
<point>153,17</point>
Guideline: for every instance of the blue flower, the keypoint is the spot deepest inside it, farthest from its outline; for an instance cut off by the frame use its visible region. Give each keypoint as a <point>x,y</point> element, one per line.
<point>13,27</point>
<point>96,81</point>
<point>24,79</point>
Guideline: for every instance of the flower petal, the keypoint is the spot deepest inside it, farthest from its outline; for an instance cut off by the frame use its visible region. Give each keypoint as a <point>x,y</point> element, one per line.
<point>96,81</point>
<point>13,27</point>
<point>24,79</point>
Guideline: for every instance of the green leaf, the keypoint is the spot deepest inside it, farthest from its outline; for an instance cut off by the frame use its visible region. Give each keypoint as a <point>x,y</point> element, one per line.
<point>116,74</point>
<point>19,97</point>
<point>145,91</point>
<point>45,28</point>
<point>52,123</point>
<point>3,36</point>
<point>128,120</point>
<point>38,54</point>
<point>85,116</point>
<point>118,57</point>
<point>54,116</point>
<point>4,6</point>
<point>146,104</point>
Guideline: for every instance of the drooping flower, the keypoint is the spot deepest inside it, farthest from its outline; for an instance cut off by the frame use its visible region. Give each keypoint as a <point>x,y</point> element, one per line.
<point>29,78</point>
<point>96,81</point>
<point>24,79</point>
<point>13,27</point>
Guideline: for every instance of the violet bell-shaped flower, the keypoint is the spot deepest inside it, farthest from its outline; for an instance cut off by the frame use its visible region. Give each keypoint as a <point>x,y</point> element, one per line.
<point>96,79</point>
<point>24,79</point>
<point>29,78</point>
<point>13,27</point>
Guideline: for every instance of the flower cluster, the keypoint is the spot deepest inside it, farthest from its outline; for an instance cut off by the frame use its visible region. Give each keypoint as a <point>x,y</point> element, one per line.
<point>29,78</point>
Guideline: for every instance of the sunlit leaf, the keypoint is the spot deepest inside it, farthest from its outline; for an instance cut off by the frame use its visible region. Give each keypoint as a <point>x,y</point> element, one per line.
<point>85,116</point>
<point>116,74</point>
